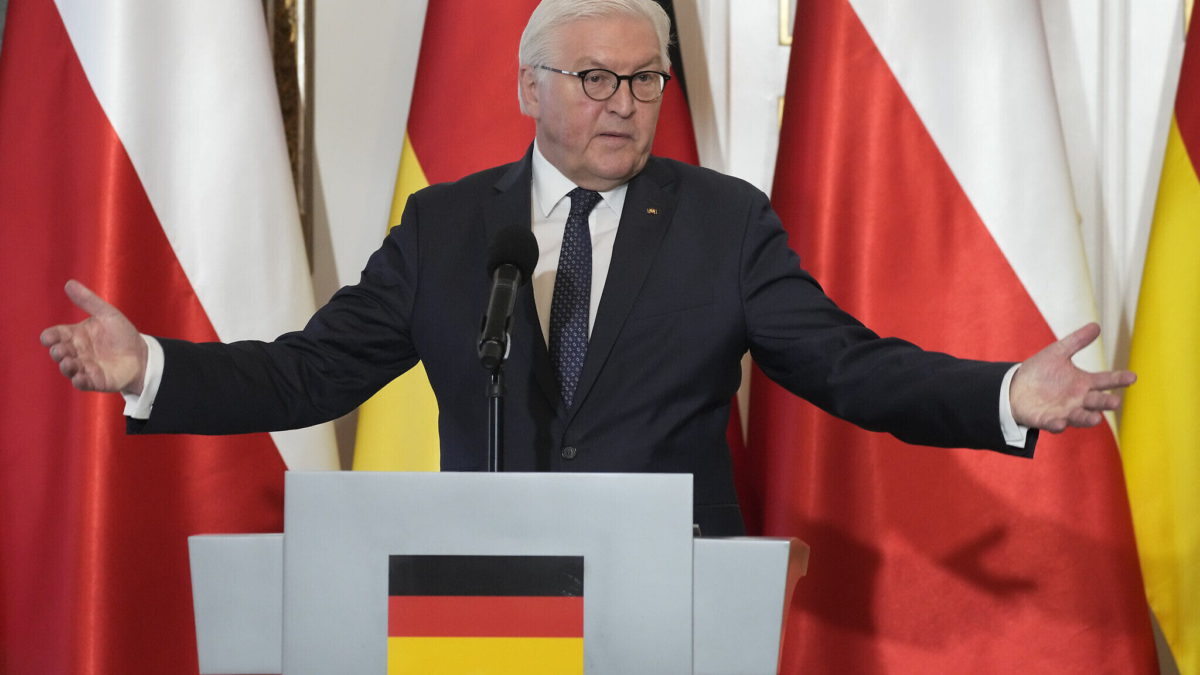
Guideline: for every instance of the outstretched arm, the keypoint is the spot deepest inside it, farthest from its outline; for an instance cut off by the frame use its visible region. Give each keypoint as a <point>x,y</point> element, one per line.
<point>104,352</point>
<point>1050,392</point>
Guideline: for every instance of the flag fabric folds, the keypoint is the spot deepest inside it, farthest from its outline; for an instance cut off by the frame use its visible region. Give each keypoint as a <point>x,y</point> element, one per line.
<point>922,179</point>
<point>465,118</point>
<point>1160,430</point>
<point>141,152</point>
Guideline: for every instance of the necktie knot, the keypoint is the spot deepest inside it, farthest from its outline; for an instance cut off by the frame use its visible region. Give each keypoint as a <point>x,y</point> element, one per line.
<point>583,201</point>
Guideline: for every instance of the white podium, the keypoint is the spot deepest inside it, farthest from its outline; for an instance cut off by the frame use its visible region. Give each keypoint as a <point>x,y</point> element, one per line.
<point>360,549</point>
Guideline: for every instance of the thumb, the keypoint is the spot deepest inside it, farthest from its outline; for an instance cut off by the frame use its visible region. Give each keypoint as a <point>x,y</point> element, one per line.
<point>85,299</point>
<point>1080,338</point>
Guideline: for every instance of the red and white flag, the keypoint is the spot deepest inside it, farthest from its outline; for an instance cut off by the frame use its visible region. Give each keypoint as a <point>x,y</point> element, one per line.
<point>923,181</point>
<point>141,152</point>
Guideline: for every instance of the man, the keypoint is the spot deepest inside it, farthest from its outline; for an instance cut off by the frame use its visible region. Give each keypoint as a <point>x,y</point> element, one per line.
<point>654,278</point>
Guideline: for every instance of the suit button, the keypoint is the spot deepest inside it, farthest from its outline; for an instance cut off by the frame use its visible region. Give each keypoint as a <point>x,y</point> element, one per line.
<point>569,452</point>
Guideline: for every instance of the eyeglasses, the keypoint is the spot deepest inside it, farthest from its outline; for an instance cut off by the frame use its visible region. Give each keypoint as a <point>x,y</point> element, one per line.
<point>600,84</point>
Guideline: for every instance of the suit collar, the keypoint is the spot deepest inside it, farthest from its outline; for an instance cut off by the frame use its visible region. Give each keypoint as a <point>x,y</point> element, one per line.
<point>550,186</point>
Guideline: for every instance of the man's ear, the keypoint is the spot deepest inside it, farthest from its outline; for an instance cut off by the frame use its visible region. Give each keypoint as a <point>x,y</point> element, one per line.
<point>527,80</point>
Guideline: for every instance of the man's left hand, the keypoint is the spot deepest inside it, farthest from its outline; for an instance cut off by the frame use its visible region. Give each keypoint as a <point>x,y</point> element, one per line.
<point>1049,392</point>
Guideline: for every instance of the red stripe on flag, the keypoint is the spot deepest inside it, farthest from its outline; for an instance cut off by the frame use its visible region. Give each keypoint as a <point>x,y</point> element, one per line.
<point>929,560</point>
<point>490,616</point>
<point>465,116</point>
<point>674,136</point>
<point>1187,98</point>
<point>93,524</point>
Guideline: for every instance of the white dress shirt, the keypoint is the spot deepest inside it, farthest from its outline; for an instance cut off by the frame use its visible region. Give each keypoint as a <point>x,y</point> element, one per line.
<point>550,207</point>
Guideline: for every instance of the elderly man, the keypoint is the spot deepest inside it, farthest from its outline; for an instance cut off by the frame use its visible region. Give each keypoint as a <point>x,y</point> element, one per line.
<point>654,278</point>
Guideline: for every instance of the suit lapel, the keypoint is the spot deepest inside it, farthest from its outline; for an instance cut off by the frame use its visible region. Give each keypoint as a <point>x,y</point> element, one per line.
<point>511,206</point>
<point>510,199</point>
<point>649,207</point>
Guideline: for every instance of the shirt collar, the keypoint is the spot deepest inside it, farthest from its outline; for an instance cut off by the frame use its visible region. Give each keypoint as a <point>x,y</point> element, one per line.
<point>550,186</point>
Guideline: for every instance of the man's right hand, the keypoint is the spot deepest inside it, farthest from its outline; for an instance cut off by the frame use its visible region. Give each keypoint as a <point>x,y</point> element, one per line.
<point>104,352</point>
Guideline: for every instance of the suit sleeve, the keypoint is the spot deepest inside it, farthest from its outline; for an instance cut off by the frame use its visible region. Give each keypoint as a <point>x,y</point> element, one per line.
<point>808,345</point>
<point>354,345</point>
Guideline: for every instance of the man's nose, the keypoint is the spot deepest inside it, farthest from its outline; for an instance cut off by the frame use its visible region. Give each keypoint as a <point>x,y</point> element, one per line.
<point>622,101</point>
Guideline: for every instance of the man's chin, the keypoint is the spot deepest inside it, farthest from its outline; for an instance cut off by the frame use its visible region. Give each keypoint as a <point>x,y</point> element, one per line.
<point>619,172</point>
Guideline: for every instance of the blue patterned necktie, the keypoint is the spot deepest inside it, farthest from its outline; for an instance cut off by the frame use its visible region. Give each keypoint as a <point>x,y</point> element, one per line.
<point>572,295</point>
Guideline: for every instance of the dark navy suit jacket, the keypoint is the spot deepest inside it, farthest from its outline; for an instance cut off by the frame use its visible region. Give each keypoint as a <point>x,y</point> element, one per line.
<point>701,273</point>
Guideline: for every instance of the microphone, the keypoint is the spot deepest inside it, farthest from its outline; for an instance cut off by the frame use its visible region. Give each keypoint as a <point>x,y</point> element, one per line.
<point>512,255</point>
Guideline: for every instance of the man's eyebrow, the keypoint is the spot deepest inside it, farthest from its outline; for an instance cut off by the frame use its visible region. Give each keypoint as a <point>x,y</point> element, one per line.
<point>649,64</point>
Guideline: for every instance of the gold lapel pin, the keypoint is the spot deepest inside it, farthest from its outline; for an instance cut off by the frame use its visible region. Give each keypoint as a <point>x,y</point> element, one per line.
<point>652,211</point>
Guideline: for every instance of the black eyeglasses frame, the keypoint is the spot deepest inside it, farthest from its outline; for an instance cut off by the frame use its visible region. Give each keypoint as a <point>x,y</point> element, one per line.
<point>582,75</point>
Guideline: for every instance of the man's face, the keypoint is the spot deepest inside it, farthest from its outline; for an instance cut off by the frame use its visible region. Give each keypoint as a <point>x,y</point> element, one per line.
<point>597,144</point>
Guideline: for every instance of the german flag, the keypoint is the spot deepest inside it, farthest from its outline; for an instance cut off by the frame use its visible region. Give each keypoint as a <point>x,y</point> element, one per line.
<point>485,614</point>
<point>1160,431</point>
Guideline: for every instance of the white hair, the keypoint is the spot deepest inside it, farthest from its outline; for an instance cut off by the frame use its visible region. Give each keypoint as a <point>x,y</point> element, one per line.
<point>538,40</point>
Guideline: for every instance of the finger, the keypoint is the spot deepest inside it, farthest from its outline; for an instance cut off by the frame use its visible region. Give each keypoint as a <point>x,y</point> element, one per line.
<point>1084,418</point>
<point>82,382</point>
<point>1080,338</point>
<point>1056,426</point>
<point>85,299</point>
<point>1113,379</point>
<point>69,367</point>
<point>68,350</point>
<point>61,351</point>
<point>1101,401</point>
<point>80,376</point>
<point>54,335</point>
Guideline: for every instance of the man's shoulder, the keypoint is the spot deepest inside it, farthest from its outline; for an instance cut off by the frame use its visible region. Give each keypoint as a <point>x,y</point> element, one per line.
<point>481,182</point>
<point>699,179</point>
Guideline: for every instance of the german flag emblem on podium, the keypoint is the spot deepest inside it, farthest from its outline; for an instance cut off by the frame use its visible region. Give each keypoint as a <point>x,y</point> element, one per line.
<point>485,614</point>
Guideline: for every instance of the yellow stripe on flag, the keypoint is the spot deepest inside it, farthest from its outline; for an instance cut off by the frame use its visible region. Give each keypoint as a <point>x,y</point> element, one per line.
<point>409,178</point>
<point>397,427</point>
<point>1160,429</point>
<point>451,656</point>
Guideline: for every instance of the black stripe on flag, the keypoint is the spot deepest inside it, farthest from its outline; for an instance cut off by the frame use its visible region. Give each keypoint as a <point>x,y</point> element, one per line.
<point>485,575</point>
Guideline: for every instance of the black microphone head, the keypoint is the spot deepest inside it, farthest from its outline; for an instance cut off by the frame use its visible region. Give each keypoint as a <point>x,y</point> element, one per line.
<point>516,246</point>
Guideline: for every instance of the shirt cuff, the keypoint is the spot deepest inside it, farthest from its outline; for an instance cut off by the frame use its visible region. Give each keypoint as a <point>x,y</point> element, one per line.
<point>139,406</point>
<point>1014,434</point>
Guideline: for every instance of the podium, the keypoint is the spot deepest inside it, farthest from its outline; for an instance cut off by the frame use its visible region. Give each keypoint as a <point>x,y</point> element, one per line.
<point>423,572</point>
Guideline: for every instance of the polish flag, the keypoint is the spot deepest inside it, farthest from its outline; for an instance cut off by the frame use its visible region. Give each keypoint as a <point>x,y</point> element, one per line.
<point>923,180</point>
<point>141,152</point>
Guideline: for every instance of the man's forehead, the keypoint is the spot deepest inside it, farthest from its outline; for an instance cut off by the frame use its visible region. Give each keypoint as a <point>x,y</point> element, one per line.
<point>609,41</point>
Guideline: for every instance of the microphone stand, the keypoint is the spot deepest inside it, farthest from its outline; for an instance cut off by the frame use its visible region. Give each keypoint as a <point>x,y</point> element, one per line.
<point>495,396</point>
